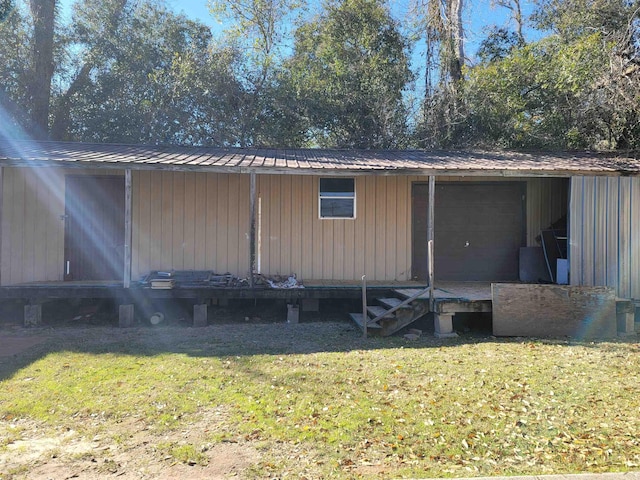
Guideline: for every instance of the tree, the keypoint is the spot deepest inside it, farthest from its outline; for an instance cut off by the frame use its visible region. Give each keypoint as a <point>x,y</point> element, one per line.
<point>154,78</point>
<point>515,7</point>
<point>258,28</point>
<point>5,8</point>
<point>15,69</point>
<point>576,88</point>
<point>499,43</point>
<point>439,22</point>
<point>44,16</point>
<point>92,35</point>
<point>348,71</point>
<point>122,71</point>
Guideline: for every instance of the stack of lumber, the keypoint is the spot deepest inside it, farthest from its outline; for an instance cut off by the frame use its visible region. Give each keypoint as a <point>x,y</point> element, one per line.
<point>163,281</point>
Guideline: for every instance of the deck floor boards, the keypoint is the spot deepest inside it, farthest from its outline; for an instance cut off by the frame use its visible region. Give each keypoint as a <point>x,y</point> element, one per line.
<point>464,291</point>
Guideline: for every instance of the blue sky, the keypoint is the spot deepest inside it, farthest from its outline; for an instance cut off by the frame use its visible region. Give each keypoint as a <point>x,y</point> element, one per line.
<point>478,15</point>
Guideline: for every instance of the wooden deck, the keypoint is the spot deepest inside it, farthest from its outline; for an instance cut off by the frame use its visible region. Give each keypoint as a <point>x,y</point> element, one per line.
<point>458,297</point>
<point>317,289</point>
<point>449,297</point>
<point>467,291</point>
<point>388,284</point>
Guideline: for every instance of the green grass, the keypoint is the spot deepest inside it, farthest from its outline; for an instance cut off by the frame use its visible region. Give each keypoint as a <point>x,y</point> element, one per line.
<point>348,408</point>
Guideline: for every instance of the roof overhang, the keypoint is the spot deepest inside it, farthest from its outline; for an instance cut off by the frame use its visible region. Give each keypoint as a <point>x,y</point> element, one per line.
<point>315,161</point>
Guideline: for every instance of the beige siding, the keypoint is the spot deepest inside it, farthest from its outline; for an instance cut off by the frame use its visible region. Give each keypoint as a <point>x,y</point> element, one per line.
<point>199,221</point>
<point>378,241</point>
<point>296,240</point>
<point>33,210</point>
<point>186,221</point>
<point>605,233</point>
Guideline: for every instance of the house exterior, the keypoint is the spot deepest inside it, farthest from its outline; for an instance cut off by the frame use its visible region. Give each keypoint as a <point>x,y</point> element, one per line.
<point>92,212</point>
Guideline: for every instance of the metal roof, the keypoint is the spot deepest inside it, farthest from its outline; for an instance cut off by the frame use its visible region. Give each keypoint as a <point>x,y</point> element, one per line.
<point>313,161</point>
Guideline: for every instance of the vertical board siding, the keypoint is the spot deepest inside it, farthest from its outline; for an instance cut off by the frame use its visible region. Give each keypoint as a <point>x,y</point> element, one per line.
<point>374,243</point>
<point>634,239</point>
<point>187,221</point>
<point>201,221</point>
<point>624,241</point>
<point>605,233</point>
<point>33,223</point>
<point>546,203</point>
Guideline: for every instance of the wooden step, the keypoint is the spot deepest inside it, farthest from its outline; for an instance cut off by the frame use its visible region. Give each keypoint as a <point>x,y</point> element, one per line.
<point>378,311</point>
<point>410,292</point>
<point>391,302</point>
<point>357,317</point>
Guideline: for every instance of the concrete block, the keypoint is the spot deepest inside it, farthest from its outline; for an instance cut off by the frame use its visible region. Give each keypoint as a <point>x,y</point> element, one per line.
<point>293,313</point>
<point>443,325</point>
<point>32,315</point>
<point>625,317</point>
<point>200,315</point>
<point>126,316</point>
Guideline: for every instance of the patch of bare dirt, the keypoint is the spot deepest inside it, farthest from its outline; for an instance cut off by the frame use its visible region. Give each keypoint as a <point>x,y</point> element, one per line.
<point>136,454</point>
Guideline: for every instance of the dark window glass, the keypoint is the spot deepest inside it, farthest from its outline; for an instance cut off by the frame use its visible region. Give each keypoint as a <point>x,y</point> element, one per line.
<point>337,187</point>
<point>336,207</point>
<point>337,197</point>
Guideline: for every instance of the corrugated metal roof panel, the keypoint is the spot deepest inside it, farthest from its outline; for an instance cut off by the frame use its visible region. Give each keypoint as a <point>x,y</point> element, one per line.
<point>321,161</point>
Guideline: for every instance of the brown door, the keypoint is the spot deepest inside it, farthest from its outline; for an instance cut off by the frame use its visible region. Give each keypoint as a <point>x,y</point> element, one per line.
<point>479,229</point>
<point>94,228</point>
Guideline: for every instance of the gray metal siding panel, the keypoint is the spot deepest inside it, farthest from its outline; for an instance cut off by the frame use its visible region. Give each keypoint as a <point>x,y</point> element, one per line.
<point>605,233</point>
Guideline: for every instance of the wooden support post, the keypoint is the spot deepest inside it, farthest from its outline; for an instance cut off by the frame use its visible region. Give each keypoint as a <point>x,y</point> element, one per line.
<point>252,229</point>
<point>430,238</point>
<point>127,228</point>
<point>200,315</point>
<point>364,306</point>
<point>126,316</point>
<point>32,315</point>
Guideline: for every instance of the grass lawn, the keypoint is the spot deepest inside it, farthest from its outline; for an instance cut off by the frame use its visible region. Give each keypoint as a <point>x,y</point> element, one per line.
<point>317,401</point>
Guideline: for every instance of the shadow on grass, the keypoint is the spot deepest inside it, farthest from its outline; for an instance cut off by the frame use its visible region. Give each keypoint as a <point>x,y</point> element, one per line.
<point>234,330</point>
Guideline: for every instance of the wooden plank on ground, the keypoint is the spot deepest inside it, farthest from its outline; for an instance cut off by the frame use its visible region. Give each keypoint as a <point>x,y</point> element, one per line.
<point>553,311</point>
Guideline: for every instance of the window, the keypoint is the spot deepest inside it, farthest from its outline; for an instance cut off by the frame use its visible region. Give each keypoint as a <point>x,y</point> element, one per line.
<point>337,198</point>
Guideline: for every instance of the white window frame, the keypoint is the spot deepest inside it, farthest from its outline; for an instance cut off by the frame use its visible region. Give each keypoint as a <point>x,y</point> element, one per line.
<point>343,197</point>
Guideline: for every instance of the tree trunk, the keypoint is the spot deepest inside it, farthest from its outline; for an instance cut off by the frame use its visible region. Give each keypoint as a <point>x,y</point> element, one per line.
<point>43,12</point>
<point>62,110</point>
<point>61,114</point>
<point>456,36</point>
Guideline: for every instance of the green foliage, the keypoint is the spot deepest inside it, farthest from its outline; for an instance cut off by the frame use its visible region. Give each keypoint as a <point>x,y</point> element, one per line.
<point>531,98</point>
<point>5,8</point>
<point>349,70</point>
<point>154,78</point>
<point>498,44</point>
<point>126,71</point>
<point>576,88</point>
<point>15,50</point>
